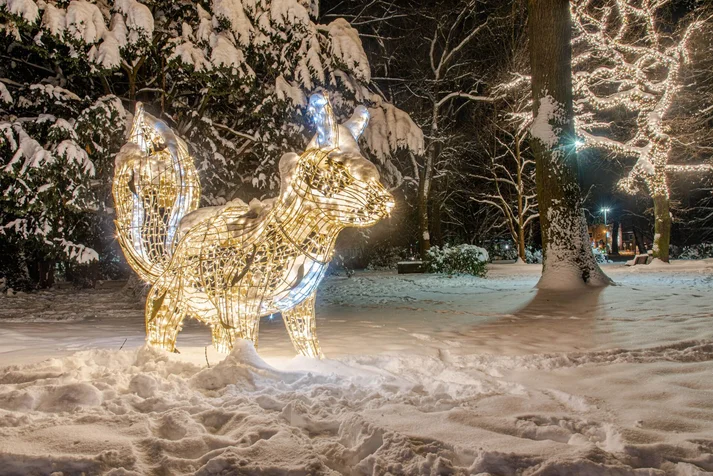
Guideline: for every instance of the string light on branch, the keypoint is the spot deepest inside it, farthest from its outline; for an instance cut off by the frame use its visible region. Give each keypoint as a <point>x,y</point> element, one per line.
<point>228,266</point>
<point>623,60</point>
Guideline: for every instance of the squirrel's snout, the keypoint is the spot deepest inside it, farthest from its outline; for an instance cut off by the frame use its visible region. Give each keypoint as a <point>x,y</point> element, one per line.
<point>382,204</point>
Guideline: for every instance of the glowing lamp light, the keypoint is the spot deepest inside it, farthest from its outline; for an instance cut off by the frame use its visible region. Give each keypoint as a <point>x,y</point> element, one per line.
<point>605,210</point>
<point>228,266</point>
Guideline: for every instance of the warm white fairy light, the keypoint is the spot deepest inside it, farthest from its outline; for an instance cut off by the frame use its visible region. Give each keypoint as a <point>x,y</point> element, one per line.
<point>228,266</point>
<point>637,68</point>
<point>644,73</point>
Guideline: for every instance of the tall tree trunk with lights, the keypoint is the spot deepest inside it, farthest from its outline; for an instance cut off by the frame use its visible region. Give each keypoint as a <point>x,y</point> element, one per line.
<point>567,257</point>
<point>662,226</point>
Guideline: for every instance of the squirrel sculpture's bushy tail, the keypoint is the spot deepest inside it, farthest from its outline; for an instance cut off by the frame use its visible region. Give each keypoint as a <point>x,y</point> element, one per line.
<point>155,185</point>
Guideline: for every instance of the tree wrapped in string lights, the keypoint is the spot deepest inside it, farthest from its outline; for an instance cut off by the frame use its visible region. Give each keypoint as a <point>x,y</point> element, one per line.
<point>624,59</point>
<point>230,265</point>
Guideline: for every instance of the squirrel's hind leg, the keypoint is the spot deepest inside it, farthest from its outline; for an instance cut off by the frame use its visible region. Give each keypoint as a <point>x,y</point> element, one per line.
<point>239,322</point>
<point>223,337</point>
<point>164,316</point>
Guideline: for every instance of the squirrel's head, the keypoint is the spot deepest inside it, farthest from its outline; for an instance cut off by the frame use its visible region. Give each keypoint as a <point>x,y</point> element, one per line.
<point>332,175</point>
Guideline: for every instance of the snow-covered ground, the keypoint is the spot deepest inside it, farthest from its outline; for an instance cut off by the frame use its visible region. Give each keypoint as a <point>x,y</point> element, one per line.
<point>426,375</point>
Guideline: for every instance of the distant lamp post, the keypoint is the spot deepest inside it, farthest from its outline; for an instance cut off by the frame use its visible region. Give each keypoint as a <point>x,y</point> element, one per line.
<point>605,210</point>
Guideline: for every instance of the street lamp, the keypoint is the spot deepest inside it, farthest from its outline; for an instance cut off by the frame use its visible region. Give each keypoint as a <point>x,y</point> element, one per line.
<point>606,233</point>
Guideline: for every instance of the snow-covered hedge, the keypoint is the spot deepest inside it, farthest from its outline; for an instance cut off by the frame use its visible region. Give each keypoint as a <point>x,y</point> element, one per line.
<point>533,255</point>
<point>465,259</point>
<point>600,256</point>
<point>498,251</point>
<point>699,251</point>
<point>386,257</point>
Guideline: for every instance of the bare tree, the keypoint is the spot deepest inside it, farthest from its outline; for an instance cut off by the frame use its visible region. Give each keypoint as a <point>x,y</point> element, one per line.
<point>506,178</point>
<point>424,60</point>
<point>510,170</point>
<point>449,83</point>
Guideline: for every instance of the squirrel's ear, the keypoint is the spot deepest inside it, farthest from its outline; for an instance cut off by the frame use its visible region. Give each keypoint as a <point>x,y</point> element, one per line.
<point>136,135</point>
<point>321,110</point>
<point>357,123</point>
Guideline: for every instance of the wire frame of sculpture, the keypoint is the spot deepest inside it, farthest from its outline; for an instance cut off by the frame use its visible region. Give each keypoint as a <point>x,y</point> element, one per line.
<point>230,265</point>
<point>155,185</point>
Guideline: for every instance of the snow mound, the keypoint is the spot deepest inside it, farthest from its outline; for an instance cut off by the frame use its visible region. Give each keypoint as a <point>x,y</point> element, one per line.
<point>363,415</point>
<point>243,368</point>
<point>657,263</point>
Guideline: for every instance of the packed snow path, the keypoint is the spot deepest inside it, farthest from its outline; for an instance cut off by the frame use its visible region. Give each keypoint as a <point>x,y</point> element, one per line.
<point>426,375</point>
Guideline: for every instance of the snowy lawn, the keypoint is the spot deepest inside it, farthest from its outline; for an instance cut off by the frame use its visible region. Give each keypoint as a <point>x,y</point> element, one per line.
<point>425,375</point>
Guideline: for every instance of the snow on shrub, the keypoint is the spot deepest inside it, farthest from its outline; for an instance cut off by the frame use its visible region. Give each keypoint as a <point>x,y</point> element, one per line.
<point>465,259</point>
<point>386,257</point>
<point>533,255</point>
<point>499,251</point>
<point>600,256</point>
<point>699,251</point>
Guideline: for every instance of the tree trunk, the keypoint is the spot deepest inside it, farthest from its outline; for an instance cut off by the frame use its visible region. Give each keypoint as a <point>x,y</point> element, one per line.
<point>136,288</point>
<point>424,187</point>
<point>520,203</point>
<point>132,84</point>
<point>521,244</point>
<point>615,238</point>
<point>567,256</point>
<point>163,85</point>
<point>46,274</point>
<point>424,240</point>
<point>662,227</point>
<point>435,221</point>
<point>639,239</point>
<point>132,73</point>
<point>434,215</point>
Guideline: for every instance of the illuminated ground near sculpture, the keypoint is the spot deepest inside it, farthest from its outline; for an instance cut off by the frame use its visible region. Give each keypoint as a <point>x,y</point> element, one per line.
<point>424,373</point>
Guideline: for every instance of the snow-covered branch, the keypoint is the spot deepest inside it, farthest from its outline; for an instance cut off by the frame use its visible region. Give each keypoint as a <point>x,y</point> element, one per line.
<point>459,94</point>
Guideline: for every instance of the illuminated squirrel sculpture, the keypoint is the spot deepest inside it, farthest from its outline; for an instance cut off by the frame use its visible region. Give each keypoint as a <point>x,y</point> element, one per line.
<point>228,266</point>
